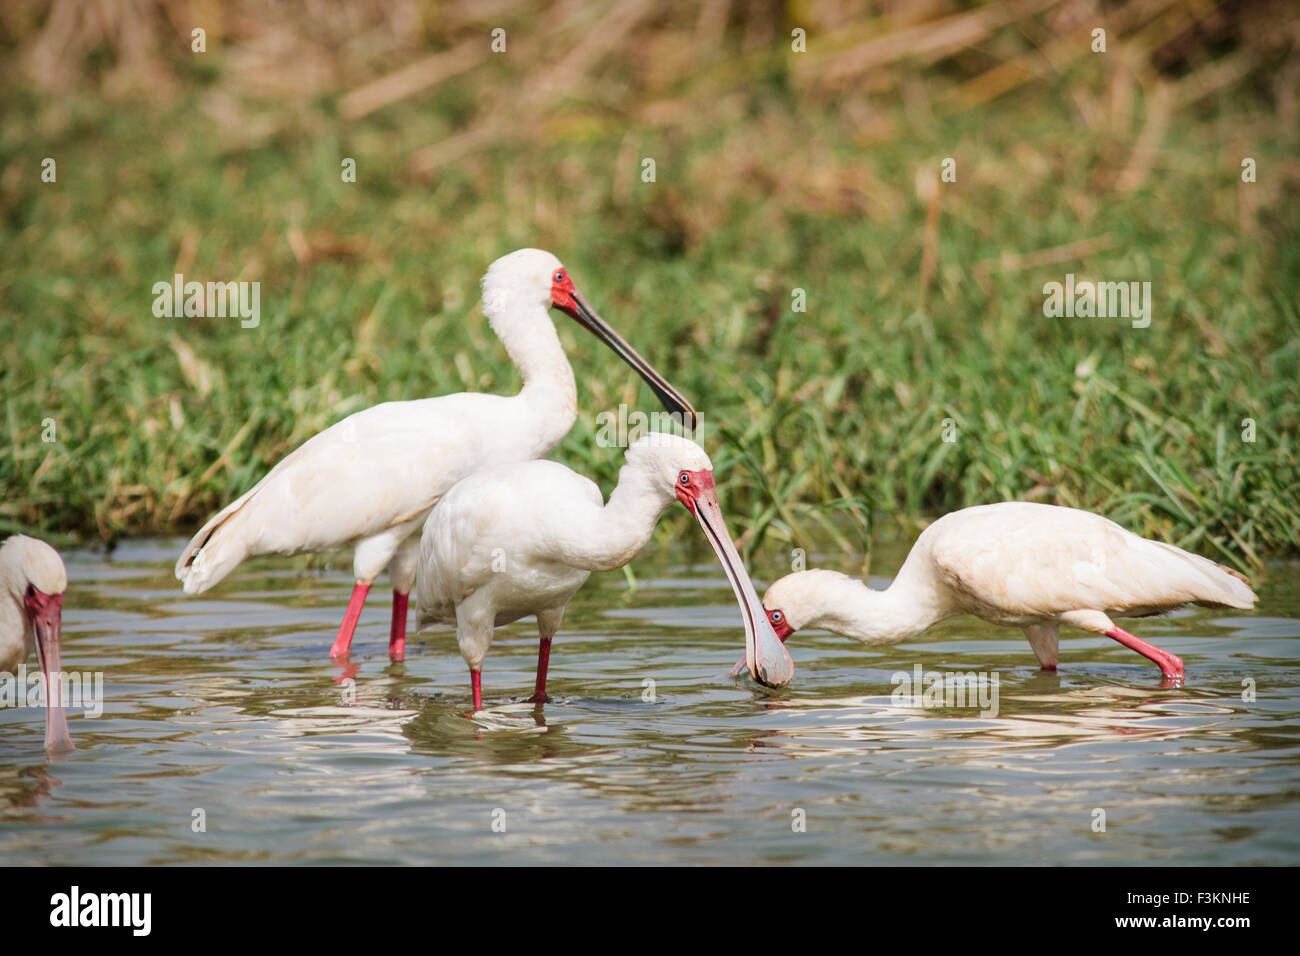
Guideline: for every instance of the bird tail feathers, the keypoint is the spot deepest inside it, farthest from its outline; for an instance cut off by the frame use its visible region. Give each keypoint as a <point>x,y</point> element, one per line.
<point>215,551</point>
<point>1223,587</point>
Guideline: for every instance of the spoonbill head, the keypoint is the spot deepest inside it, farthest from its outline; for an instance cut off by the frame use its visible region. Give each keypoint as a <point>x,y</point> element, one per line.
<point>534,277</point>
<point>1017,564</point>
<point>805,598</point>
<point>521,539</point>
<point>369,482</point>
<point>31,616</point>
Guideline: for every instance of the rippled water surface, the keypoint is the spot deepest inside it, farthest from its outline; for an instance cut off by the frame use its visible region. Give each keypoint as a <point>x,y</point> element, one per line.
<point>648,752</point>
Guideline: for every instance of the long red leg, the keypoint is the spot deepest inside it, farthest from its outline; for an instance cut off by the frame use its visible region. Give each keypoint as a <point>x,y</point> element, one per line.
<point>397,633</point>
<point>543,659</point>
<point>343,642</point>
<point>1170,664</point>
<point>475,680</point>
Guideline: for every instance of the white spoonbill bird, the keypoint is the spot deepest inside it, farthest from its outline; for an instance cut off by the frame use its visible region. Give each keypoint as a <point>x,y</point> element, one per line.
<point>1018,564</point>
<point>369,481</point>
<point>31,615</point>
<point>521,539</point>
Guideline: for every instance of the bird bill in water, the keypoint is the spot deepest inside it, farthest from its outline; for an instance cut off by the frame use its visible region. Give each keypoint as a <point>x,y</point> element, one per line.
<point>45,614</point>
<point>768,661</point>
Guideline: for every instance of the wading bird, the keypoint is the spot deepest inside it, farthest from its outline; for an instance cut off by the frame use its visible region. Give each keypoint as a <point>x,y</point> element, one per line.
<point>369,481</point>
<point>31,615</point>
<point>521,539</point>
<point>1017,564</point>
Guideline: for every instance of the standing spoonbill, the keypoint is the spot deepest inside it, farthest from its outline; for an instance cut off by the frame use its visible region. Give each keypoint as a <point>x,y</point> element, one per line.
<point>369,481</point>
<point>1017,564</point>
<point>31,615</point>
<point>521,539</point>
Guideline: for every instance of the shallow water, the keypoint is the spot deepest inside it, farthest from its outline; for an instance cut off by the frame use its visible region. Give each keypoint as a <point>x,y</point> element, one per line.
<point>227,704</point>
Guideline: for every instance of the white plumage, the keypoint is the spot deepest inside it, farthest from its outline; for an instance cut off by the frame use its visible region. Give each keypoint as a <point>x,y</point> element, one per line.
<point>1020,564</point>
<point>33,580</point>
<point>369,481</point>
<point>520,539</point>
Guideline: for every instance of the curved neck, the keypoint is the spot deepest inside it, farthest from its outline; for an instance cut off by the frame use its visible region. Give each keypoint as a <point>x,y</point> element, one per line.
<point>902,610</point>
<point>14,639</point>
<point>530,340</point>
<point>618,531</point>
<point>549,396</point>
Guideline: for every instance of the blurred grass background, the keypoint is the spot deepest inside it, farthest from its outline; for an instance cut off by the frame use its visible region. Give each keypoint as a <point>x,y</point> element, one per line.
<point>775,170</point>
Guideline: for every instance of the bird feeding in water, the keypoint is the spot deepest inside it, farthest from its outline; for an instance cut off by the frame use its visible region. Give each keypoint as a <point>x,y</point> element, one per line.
<point>1018,564</point>
<point>31,616</point>
<point>369,481</point>
<point>520,539</point>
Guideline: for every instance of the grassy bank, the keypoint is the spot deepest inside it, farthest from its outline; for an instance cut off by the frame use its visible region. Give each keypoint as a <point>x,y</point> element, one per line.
<point>924,300</point>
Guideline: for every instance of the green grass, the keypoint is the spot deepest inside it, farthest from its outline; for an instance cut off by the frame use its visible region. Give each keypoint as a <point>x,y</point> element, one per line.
<point>823,424</point>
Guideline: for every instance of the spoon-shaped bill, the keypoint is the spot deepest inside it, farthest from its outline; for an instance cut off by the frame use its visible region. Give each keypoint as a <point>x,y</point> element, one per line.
<point>46,613</point>
<point>768,661</point>
<point>669,397</point>
<point>783,631</point>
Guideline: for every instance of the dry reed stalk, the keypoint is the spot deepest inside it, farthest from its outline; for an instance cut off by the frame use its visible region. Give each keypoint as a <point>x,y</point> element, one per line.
<point>410,80</point>
<point>928,41</point>
<point>1159,106</point>
<point>1017,262</point>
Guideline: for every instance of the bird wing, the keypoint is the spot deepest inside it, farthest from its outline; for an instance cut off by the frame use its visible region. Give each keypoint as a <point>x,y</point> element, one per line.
<point>453,563</point>
<point>508,517</point>
<point>372,471</point>
<point>1032,560</point>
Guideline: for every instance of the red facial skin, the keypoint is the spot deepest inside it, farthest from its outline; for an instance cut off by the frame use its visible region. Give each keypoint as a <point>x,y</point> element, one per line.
<point>770,663</point>
<point>47,608</point>
<point>690,485</point>
<point>779,624</point>
<point>696,484</point>
<point>563,291</point>
<point>45,612</point>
